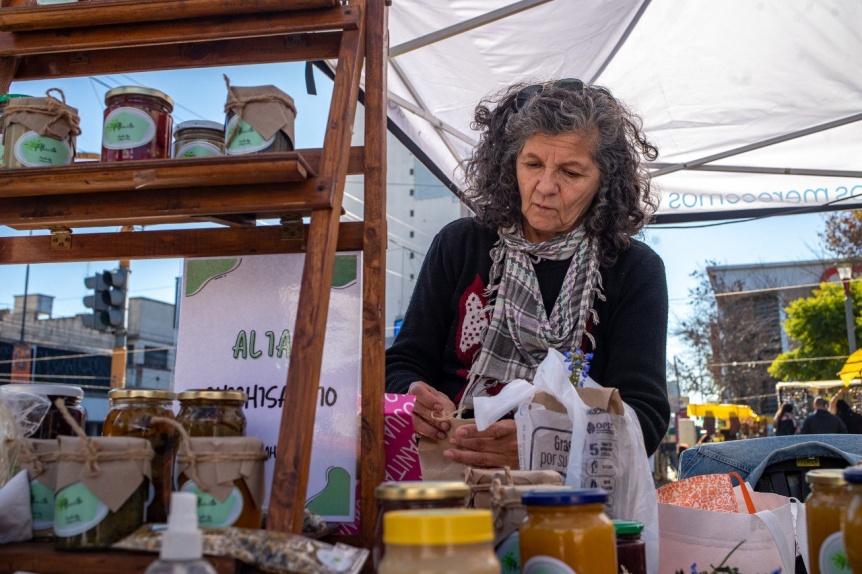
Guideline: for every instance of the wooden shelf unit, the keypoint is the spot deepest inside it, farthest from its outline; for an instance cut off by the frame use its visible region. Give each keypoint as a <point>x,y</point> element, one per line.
<point>232,191</point>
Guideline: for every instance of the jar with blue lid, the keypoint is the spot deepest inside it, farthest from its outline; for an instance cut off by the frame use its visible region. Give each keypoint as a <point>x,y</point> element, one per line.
<point>567,531</point>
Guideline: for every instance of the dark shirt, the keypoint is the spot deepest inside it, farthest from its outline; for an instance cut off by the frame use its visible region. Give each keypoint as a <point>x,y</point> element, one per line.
<point>853,422</point>
<point>823,422</point>
<point>439,338</point>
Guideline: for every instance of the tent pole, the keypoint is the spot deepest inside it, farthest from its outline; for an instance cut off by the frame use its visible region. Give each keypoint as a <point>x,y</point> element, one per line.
<point>766,170</point>
<point>430,118</point>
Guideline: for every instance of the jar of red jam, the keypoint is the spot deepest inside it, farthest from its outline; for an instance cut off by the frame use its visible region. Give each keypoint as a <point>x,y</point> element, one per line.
<point>631,549</point>
<point>138,124</point>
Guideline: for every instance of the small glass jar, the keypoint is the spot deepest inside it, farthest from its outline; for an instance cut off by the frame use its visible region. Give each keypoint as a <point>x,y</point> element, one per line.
<point>212,413</point>
<point>439,542</point>
<point>199,138</point>
<point>53,424</point>
<point>568,529</point>
<point>240,138</point>
<point>415,495</point>
<point>130,415</point>
<point>853,519</point>
<point>4,101</point>
<point>631,550</point>
<point>138,124</point>
<point>824,513</point>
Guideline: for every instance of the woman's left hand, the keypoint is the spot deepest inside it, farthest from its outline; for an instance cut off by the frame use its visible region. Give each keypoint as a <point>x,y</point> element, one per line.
<point>495,447</point>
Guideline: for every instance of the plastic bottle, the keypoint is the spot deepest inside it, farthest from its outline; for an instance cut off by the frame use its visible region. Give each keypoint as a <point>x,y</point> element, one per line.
<point>182,542</point>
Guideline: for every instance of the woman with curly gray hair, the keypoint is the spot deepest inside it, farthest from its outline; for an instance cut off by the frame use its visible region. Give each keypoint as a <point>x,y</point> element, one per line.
<point>548,261</point>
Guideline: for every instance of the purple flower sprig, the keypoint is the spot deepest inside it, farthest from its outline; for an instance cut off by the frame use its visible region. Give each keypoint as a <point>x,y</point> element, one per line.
<point>579,366</point>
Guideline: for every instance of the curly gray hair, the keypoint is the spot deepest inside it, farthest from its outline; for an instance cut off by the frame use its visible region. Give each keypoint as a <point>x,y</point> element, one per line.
<point>624,202</point>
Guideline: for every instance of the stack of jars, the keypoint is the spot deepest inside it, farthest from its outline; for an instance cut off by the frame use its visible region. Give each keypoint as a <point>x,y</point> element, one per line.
<point>834,519</point>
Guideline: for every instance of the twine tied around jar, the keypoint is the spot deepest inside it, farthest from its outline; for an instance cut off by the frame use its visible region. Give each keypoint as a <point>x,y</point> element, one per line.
<point>55,111</point>
<point>238,104</point>
<point>185,454</point>
<point>90,454</point>
<point>32,459</point>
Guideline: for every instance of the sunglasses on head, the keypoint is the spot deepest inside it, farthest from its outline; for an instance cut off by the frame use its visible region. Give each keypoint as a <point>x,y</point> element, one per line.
<point>568,84</point>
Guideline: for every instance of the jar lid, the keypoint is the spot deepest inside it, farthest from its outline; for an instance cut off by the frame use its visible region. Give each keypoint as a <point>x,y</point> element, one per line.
<point>212,395</point>
<point>6,97</point>
<point>628,527</point>
<point>564,497</point>
<point>126,394</point>
<point>421,490</point>
<point>853,475</point>
<point>199,124</point>
<point>437,527</point>
<point>139,90</point>
<point>834,476</point>
<point>47,390</point>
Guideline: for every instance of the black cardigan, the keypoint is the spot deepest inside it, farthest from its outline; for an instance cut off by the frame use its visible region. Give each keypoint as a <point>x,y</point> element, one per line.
<point>437,342</point>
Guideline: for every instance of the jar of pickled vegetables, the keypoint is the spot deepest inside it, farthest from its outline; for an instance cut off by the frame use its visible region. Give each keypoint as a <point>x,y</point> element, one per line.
<point>4,100</point>
<point>199,138</point>
<point>53,424</point>
<point>824,512</point>
<point>259,119</point>
<point>39,132</point>
<point>567,531</point>
<point>853,519</point>
<point>414,495</point>
<point>138,124</point>
<point>130,415</point>
<point>445,541</point>
<point>212,413</point>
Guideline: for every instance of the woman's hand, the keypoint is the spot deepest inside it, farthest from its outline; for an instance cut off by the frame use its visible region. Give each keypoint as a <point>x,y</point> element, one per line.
<point>494,447</point>
<point>429,402</point>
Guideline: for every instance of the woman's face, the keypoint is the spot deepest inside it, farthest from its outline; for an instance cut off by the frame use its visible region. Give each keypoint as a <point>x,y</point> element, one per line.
<point>557,179</point>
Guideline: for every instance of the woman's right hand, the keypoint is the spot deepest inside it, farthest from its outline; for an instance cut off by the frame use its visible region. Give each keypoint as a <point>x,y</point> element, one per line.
<point>429,402</point>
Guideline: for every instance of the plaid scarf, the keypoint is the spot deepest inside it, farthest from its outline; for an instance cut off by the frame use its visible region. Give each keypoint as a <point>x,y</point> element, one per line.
<point>520,330</point>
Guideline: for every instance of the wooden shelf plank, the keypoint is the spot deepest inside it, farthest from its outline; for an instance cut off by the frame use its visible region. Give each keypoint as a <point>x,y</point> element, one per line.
<point>145,34</point>
<point>98,177</point>
<point>166,244</point>
<point>263,50</point>
<point>26,15</point>
<point>41,557</point>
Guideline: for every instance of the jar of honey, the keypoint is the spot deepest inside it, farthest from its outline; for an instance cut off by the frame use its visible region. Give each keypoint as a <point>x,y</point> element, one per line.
<point>53,424</point>
<point>414,495</point>
<point>446,541</point>
<point>130,415</point>
<point>199,138</point>
<point>567,530</point>
<point>212,413</point>
<point>138,124</point>
<point>853,519</point>
<point>824,512</point>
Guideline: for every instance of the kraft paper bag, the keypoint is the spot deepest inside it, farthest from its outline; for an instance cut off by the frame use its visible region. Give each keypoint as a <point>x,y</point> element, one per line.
<point>435,466</point>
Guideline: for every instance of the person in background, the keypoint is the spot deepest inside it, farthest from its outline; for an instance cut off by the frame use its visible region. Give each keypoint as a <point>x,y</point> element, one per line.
<point>821,421</point>
<point>852,420</point>
<point>784,421</point>
<point>559,191</point>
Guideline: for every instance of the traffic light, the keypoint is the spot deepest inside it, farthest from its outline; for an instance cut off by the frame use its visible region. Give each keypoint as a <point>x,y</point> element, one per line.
<point>108,301</point>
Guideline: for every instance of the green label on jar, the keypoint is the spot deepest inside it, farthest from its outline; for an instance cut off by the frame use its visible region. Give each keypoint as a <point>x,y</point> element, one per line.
<point>833,557</point>
<point>546,565</point>
<point>33,150</point>
<point>77,510</point>
<point>239,138</point>
<point>127,128</point>
<point>211,512</point>
<point>41,505</point>
<point>509,554</point>
<point>198,149</point>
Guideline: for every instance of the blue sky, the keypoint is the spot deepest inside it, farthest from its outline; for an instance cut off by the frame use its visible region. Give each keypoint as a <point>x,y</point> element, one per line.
<point>200,94</point>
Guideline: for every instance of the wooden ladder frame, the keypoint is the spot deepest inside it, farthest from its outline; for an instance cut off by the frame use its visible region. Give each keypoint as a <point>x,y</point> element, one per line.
<point>355,34</point>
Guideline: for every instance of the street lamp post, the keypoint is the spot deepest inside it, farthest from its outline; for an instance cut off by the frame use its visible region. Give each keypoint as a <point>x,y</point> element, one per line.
<point>845,272</point>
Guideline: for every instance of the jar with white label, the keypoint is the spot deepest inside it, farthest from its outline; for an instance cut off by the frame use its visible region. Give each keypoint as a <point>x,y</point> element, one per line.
<point>138,124</point>
<point>39,132</point>
<point>824,511</point>
<point>4,100</point>
<point>199,138</point>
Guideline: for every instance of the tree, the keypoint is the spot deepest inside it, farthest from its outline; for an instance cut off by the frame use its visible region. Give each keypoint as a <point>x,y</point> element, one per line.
<point>817,325</point>
<point>842,234</point>
<point>731,338</point>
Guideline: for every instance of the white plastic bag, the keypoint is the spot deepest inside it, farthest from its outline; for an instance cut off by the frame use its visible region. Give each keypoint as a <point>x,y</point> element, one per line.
<point>588,435</point>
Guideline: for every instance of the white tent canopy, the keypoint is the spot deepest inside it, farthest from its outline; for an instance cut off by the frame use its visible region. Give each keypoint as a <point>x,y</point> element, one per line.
<point>755,105</point>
